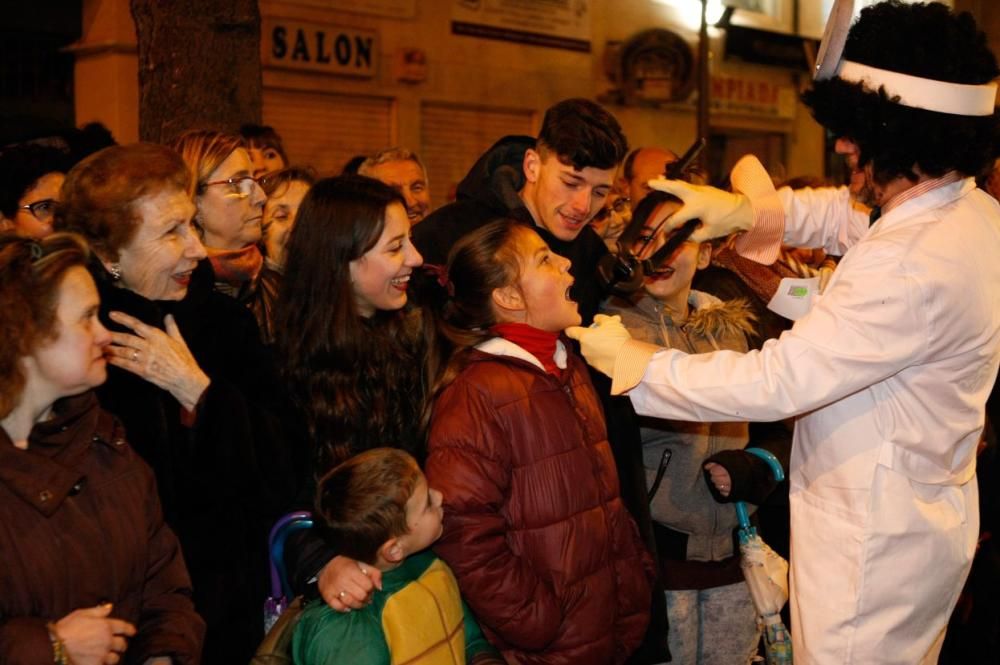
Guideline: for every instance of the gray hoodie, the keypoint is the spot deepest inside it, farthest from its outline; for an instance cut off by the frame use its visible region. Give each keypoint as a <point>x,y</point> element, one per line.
<point>683,501</point>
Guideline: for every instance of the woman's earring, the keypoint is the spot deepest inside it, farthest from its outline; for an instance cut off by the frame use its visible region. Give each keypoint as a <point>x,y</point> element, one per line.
<point>116,271</point>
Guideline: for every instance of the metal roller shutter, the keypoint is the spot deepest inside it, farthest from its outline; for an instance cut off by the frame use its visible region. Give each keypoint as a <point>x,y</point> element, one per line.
<point>455,136</point>
<point>325,130</point>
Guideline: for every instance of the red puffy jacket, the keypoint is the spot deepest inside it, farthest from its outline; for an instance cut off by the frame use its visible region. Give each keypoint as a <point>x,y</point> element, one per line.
<point>545,552</point>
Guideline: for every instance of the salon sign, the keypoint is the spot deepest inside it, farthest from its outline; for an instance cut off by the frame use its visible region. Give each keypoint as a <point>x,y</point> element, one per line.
<point>319,47</point>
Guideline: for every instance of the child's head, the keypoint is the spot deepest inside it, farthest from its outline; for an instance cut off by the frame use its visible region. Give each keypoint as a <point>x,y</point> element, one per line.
<point>671,283</point>
<point>504,272</point>
<point>378,508</point>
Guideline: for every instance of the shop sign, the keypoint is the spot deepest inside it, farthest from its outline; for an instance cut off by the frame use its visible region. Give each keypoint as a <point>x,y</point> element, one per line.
<point>319,47</point>
<point>756,97</point>
<point>562,24</point>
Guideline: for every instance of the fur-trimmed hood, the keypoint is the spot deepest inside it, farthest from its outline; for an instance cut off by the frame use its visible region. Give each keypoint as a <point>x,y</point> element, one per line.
<point>719,318</point>
<point>713,324</point>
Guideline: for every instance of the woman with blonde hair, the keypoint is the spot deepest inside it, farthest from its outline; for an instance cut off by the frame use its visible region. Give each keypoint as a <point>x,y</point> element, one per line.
<point>230,214</point>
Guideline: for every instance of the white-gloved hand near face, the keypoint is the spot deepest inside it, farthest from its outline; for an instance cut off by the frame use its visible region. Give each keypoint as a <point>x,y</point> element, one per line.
<point>609,348</point>
<point>601,342</point>
<point>721,212</point>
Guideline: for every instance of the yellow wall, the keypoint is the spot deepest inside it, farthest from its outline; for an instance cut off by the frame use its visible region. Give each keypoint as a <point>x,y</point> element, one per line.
<point>461,70</point>
<point>106,81</point>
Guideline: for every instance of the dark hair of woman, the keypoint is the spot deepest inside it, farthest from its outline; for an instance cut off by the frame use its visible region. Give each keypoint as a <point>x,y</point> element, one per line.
<point>273,183</point>
<point>30,274</point>
<point>893,137</point>
<point>358,382</point>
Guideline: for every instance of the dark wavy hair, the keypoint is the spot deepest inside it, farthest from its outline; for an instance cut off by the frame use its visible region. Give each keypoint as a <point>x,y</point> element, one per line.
<point>583,134</point>
<point>925,40</point>
<point>30,275</point>
<point>21,166</point>
<point>358,382</point>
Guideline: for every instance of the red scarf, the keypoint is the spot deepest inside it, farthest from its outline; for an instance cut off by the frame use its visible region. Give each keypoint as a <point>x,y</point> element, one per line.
<point>539,343</point>
<point>236,267</point>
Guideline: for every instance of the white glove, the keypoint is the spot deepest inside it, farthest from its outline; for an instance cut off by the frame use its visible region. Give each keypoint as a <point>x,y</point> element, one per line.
<point>721,212</point>
<point>601,342</point>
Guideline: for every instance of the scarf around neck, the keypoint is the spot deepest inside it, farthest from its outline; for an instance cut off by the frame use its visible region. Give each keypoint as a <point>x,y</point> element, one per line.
<point>539,343</point>
<point>236,267</point>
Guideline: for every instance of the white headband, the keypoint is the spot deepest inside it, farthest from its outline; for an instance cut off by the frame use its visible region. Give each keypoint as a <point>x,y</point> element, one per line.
<point>923,93</point>
<point>912,91</point>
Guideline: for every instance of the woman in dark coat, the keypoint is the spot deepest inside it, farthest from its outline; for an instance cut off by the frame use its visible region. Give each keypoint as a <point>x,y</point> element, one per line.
<point>90,574</point>
<point>191,380</point>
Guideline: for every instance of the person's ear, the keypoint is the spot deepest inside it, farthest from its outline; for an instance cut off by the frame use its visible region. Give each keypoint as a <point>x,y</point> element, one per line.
<point>532,165</point>
<point>508,299</point>
<point>704,255</point>
<point>392,551</point>
<point>5,224</point>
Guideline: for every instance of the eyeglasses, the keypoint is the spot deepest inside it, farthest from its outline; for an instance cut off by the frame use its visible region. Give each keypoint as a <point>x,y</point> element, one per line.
<point>41,210</point>
<point>241,185</point>
<point>618,206</point>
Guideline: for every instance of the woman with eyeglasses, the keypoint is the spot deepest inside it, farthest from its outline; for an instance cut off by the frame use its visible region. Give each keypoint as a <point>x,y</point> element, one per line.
<point>230,214</point>
<point>189,378</point>
<point>30,178</point>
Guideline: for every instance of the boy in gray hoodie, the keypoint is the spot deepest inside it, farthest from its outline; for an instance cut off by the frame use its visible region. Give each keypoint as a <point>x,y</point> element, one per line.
<point>711,615</point>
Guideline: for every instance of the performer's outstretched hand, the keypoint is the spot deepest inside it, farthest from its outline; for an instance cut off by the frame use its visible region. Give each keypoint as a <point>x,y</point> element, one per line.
<point>720,212</point>
<point>601,342</point>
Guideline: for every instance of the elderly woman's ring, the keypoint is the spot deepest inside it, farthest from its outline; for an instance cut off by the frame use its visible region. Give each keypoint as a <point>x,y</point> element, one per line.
<point>342,595</point>
<point>135,355</point>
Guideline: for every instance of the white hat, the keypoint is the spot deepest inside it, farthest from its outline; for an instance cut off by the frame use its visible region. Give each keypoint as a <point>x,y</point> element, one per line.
<point>912,91</point>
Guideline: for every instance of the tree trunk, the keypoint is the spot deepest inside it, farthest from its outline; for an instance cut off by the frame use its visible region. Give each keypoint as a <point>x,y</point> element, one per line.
<point>199,65</point>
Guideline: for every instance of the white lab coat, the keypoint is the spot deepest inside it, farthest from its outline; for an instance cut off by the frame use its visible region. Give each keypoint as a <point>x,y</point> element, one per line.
<point>888,375</point>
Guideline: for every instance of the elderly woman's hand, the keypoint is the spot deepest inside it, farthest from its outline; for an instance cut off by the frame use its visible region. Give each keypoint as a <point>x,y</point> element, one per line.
<point>91,637</point>
<point>162,358</point>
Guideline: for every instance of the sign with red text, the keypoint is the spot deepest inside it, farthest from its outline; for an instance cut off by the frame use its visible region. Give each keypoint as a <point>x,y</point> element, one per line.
<point>749,96</point>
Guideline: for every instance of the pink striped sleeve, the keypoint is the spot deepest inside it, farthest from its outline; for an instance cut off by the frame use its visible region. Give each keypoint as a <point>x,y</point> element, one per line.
<point>763,241</point>
<point>630,365</point>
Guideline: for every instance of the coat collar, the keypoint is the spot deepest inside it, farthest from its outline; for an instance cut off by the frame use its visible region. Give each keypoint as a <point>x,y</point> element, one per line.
<point>498,346</point>
<point>49,470</point>
<point>914,210</point>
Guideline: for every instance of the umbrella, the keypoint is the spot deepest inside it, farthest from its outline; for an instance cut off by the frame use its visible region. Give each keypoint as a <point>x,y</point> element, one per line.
<point>766,574</point>
<point>277,602</point>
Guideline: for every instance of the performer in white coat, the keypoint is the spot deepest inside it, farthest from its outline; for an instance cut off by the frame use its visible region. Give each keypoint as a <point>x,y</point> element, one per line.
<point>890,371</point>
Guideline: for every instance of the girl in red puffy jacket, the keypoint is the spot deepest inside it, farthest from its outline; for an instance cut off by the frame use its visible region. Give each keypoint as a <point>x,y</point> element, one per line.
<point>543,548</point>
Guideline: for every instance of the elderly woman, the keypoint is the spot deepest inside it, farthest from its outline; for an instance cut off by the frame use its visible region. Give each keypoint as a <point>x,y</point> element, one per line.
<point>90,574</point>
<point>230,214</point>
<point>285,190</point>
<point>191,380</point>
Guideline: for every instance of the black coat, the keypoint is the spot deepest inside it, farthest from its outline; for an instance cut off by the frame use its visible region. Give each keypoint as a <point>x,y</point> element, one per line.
<point>490,191</point>
<point>224,480</point>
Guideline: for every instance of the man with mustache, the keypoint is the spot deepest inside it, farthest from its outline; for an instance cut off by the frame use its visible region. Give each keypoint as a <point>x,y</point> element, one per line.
<point>402,169</point>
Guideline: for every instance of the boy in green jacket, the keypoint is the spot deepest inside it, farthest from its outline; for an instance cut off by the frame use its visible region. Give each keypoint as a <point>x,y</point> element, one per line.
<point>376,507</point>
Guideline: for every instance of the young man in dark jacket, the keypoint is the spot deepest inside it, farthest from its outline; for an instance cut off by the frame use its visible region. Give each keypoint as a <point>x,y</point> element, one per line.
<point>556,183</point>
